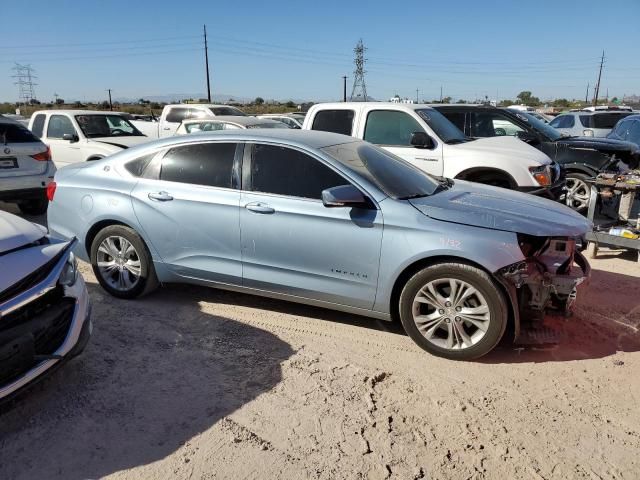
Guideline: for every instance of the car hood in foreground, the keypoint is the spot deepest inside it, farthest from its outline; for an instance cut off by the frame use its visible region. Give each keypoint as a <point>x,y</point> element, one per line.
<point>16,232</point>
<point>512,149</point>
<point>122,142</point>
<point>501,209</point>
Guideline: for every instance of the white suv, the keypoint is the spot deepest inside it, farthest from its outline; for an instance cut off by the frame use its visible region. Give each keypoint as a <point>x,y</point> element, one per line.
<point>25,168</point>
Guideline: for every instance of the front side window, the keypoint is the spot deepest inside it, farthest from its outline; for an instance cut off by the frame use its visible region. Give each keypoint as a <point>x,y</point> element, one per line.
<point>284,171</point>
<point>203,127</point>
<point>563,121</point>
<point>209,164</point>
<point>227,111</point>
<point>493,124</point>
<point>336,121</point>
<point>389,127</point>
<point>60,125</point>
<point>634,132</point>
<point>38,125</point>
<point>457,118</point>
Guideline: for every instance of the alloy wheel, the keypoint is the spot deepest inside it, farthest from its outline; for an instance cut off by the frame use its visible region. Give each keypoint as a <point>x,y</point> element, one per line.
<point>119,263</point>
<point>451,313</point>
<point>577,195</point>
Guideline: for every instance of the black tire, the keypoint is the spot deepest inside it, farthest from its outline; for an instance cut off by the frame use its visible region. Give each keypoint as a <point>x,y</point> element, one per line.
<point>34,207</point>
<point>475,278</point>
<point>146,282</point>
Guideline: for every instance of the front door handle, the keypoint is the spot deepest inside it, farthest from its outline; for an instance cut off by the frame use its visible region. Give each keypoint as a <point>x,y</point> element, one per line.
<point>160,196</point>
<point>167,128</point>
<point>259,207</point>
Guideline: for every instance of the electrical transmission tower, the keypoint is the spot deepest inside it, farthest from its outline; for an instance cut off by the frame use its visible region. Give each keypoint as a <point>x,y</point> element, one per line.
<point>359,87</point>
<point>25,76</point>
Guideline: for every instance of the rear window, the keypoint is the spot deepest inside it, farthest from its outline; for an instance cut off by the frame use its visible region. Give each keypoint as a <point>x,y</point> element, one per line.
<point>607,120</point>
<point>15,133</point>
<point>227,111</point>
<point>336,121</point>
<point>38,125</point>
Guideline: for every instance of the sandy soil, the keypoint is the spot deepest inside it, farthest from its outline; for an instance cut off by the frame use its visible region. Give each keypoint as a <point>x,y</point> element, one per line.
<point>198,383</point>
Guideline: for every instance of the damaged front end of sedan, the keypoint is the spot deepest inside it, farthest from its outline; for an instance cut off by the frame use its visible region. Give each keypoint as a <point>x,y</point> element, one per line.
<point>547,280</point>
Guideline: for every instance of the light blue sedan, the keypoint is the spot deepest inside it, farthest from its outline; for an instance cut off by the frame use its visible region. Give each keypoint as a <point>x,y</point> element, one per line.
<point>327,220</point>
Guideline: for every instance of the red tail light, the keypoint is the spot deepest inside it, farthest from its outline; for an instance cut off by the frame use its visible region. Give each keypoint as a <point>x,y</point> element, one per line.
<point>51,191</point>
<point>43,156</point>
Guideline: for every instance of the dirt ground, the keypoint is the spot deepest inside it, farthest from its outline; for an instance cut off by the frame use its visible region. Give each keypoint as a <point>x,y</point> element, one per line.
<point>198,383</point>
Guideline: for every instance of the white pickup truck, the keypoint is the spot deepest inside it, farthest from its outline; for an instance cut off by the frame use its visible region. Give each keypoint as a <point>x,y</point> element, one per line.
<point>424,137</point>
<point>81,135</point>
<point>173,115</point>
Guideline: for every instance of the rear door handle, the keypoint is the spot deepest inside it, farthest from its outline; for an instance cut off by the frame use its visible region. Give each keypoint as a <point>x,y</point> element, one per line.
<point>258,207</point>
<point>160,196</point>
<point>167,128</point>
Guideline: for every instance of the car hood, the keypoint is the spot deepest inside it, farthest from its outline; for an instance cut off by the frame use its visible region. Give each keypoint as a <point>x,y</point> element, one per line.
<point>510,147</point>
<point>598,143</point>
<point>501,209</point>
<point>122,142</point>
<point>16,232</point>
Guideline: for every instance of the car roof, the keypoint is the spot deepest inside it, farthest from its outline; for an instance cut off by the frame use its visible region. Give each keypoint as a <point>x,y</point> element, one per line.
<point>79,112</point>
<point>396,106</point>
<point>240,120</point>
<point>302,138</point>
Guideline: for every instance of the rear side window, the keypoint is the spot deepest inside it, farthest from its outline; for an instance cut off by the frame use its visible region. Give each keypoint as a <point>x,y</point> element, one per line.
<point>585,120</point>
<point>209,164</point>
<point>176,115</point>
<point>136,167</point>
<point>388,127</point>
<point>15,133</point>
<point>563,121</point>
<point>227,111</point>
<point>607,120</point>
<point>285,171</point>
<point>38,125</point>
<point>60,125</point>
<point>204,127</point>
<point>336,121</point>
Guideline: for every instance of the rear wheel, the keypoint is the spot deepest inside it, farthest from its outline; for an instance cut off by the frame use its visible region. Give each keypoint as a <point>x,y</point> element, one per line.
<point>34,207</point>
<point>122,263</point>
<point>454,311</point>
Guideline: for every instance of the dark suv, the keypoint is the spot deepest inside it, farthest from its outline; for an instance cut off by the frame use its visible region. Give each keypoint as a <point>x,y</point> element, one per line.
<point>580,157</point>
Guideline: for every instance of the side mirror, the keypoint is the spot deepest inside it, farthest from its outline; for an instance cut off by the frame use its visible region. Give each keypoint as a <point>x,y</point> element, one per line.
<point>71,137</point>
<point>421,140</point>
<point>345,196</point>
<point>528,137</point>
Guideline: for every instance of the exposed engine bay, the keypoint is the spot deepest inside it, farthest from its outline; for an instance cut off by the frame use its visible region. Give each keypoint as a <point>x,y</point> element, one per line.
<point>547,280</point>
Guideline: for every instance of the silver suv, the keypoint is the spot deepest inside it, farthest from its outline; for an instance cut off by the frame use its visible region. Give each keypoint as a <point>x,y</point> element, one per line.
<point>26,168</point>
<point>587,124</point>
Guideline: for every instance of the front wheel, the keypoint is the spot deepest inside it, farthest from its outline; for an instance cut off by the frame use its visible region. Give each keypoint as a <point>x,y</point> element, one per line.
<point>121,262</point>
<point>578,192</point>
<point>454,311</point>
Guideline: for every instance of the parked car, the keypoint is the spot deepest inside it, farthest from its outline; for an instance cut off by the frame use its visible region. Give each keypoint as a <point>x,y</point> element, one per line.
<point>44,305</point>
<point>173,115</point>
<point>83,135</point>
<point>299,215</point>
<point>425,138</point>
<point>580,157</point>
<point>586,123</point>
<point>226,123</point>
<point>627,129</point>
<point>290,120</point>
<point>25,168</point>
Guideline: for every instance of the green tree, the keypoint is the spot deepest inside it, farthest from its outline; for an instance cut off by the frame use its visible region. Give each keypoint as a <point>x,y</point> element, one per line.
<point>290,104</point>
<point>259,101</point>
<point>446,100</point>
<point>461,101</point>
<point>59,101</point>
<point>525,97</point>
<point>561,103</point>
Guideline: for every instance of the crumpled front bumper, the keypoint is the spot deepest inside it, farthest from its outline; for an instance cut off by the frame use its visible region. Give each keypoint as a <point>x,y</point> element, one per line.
<point>68,309</point>
<point>535,291</point>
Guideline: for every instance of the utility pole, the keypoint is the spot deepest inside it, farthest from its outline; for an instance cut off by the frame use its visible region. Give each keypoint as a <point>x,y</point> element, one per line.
<point>344,88</point>
<point>586,97</point>
<point>358,80</point>
<point>206,62</point>
<point>110,104</point>
<point>417,98</point>
<point>55,95</point>
<point>440,93</point>
<point>595,97</point>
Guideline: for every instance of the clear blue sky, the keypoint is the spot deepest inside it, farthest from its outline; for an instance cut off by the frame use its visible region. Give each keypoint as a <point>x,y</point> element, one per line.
<point>300,49</point>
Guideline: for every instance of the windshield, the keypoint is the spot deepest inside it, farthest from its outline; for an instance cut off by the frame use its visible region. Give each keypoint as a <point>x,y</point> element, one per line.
<point>394,176</point>
<point>542,127</point>
<point>446,130</point>
<point>227,111</point>
<point>107,126</point>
